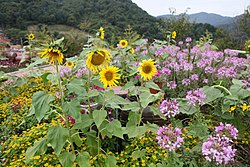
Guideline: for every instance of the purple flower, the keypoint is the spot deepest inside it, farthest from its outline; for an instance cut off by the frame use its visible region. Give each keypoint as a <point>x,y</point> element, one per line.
<point>166,71</point>
<point>194,77</point>
<point>205,81</point>
<point>186,82</point>
<point>171,84</point>
<point>218,149</point>
<point>169,108</point>
<point>169,138</point>
<point>137,77</point>
<point>188,39</point>
<point>65,71</point>
<point>227,129</point>
<point>195,97</point>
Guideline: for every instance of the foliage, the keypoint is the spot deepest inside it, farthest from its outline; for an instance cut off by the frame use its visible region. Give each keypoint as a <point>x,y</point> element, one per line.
<point>76,120</point>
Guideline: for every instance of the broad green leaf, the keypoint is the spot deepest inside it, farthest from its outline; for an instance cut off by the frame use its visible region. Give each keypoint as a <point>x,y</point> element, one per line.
<point>134,131</point>
<point>211,93</point>
<point>53,78</point>
<point>57,137</point>
<point>133,119</point>
<point>132,106</point>
<point>99,116</point>
<point>44,77</point>
<point>76,138</point>
<point>72,108</point>
<point>156,111</point>
<point>110,161</point>
<point>41,101</point>
<point>76,86</point>
<point>238,82</point>
<point>83,159</point>
<point>39,148</point>
<point>186,108</point>
<point>86,121</point>
<point>151,84</point>
<point>128,85</point>
<point>105,131</point>
<point>146,98</point>
<point>238,91</point>
<point>67,159</point>
<point>138,154</point>
<point>92,142</point>
<point>93,93</point>
<point>115,127</point>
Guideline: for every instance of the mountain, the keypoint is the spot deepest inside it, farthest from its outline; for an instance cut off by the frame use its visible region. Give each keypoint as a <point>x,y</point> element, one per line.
<point>87,15</point>
<point>210,18</point>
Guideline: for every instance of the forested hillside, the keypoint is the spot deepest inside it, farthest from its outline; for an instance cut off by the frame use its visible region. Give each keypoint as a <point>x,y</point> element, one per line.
<point>88,15</point>
<point>114,15</point>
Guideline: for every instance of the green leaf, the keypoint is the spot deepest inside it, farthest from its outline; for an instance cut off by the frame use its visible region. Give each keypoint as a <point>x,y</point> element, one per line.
<point>67,159</point>
<point>133,119</point>
<point>99,116</point>
<point>41,101</point>
<point>44,77</point>
<point>115,127</point>
<point>110,161</point>
<point>92,143</point>
<point>57,137</point>
<point>53,78</point>
<point>211,93</point>
<point>83,159</point>
<point>86,121</point>
<point>151,84</point>
<point>132,106</point>
<point>76,86</point>
<point>156,111</point>
<point>138,154</point>
<point>238,91</point>
<point>76,138</point>
<point>93,93</point>
<point>134,131</point>
<point>186,108</point>
<point>39,148</point>
<point>146,98</point>
<point>128,85</point>
<point>72,108</point>
<point>105,131</point>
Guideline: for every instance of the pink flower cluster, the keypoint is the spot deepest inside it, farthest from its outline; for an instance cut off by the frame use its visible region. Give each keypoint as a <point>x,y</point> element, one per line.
<point>169,107</point>
<point>228,129</point>
<point>169,138</point>
<point>219,148</point>
<point>195,97</point>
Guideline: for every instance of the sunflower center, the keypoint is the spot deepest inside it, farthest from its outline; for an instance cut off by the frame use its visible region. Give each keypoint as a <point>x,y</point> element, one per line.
<point>123,43</point>
<point>147,69</point>
<point>97,59</point>
<point>53,54</point>
<point>109,76</point>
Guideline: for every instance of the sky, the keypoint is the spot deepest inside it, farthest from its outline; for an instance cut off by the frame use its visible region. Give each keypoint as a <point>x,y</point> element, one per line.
<point>229,8</point>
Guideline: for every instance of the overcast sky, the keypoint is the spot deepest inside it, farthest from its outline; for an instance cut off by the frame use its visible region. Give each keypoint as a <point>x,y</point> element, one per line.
<point>223,7</point>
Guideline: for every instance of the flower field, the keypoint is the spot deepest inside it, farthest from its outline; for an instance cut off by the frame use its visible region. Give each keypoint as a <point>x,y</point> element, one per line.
<point>98,108</point>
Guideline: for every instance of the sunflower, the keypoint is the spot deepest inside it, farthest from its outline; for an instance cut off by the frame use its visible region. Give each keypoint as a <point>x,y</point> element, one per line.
<point>101,32</point>
<point>31,36</point>
<point>70,64</point>
<point>52,55</point>
<point>174,34</point>
<point>123,43</point>
<point>147,69</point>
<point>109,76</point>
<point>98,59</point>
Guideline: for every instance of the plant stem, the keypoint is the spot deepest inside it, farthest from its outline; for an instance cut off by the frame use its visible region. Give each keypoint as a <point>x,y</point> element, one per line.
<point>222,87</point>
<point>62,102</point>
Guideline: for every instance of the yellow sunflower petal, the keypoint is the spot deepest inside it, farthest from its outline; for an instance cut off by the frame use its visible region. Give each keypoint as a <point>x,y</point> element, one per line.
<point>147,69</point>
<point>123,43</point>
<point>98,59</point>
<point>109,76</point>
